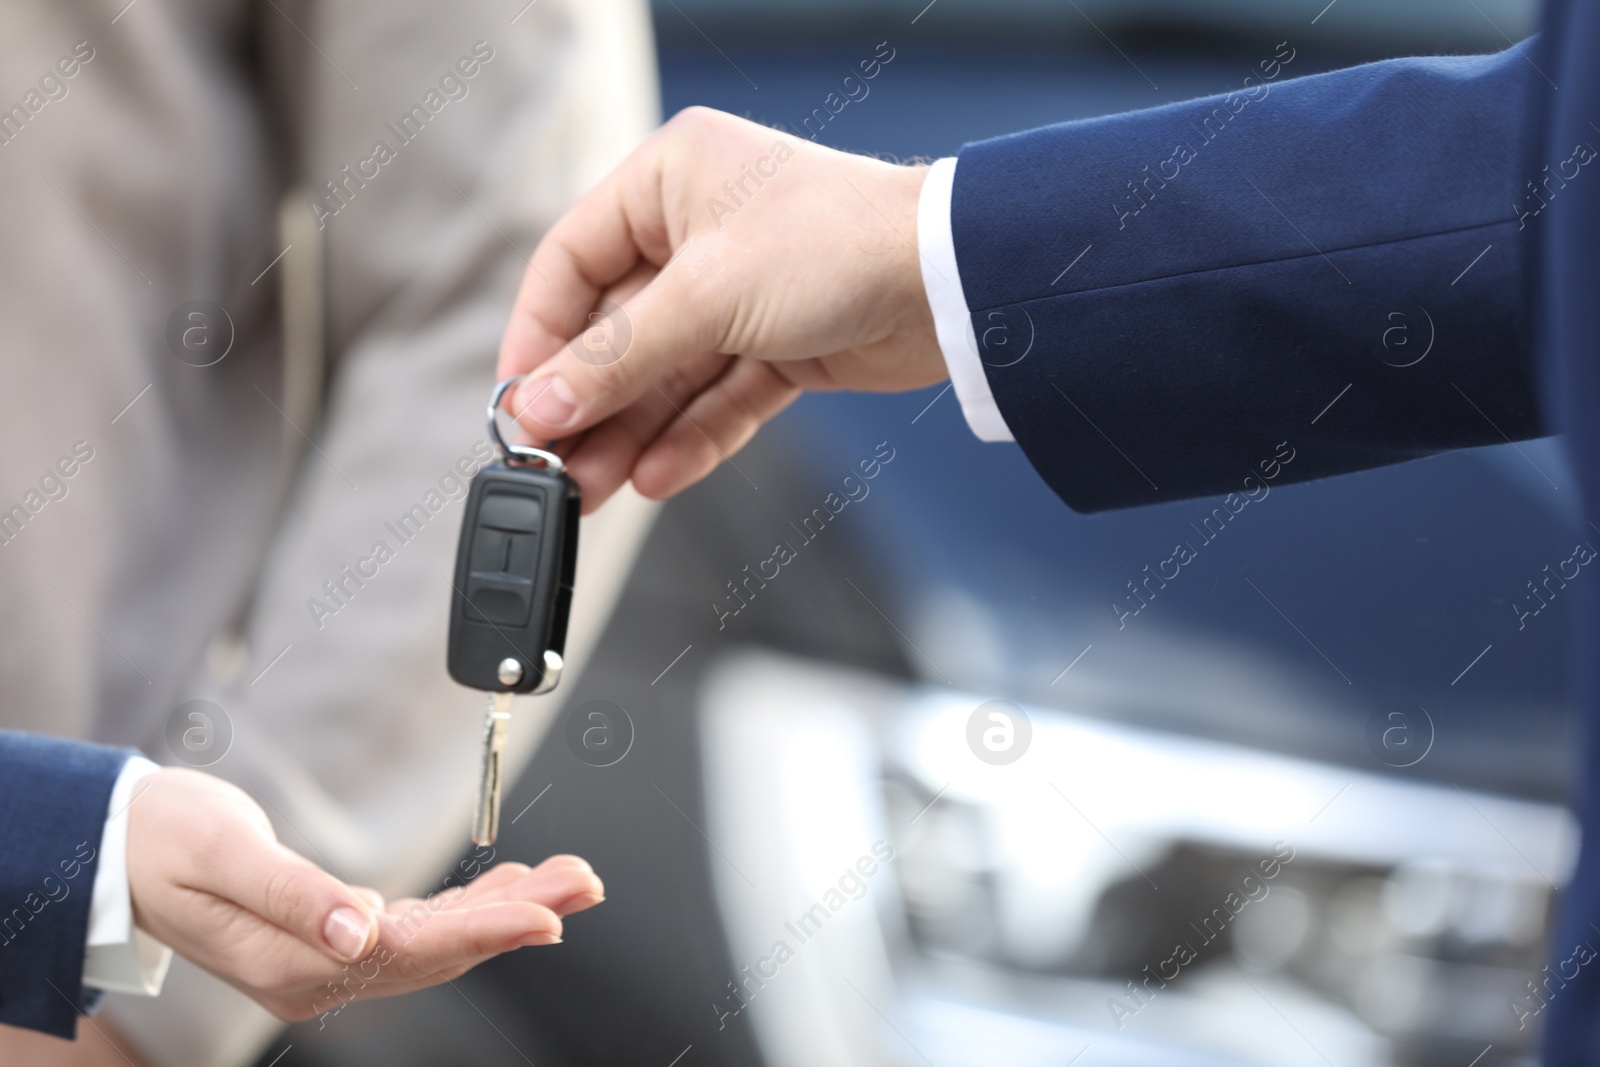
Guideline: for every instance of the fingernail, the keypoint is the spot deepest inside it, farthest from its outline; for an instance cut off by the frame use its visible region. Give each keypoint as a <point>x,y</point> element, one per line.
<point>540,938</point>
<point>346,931</point>
<point>549,400</point>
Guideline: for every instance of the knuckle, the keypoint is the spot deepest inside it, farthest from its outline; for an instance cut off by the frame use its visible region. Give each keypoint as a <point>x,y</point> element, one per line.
<point>677,384</point>
<point>694,119</point>
<point>743,408</point>
<point>411,967</point>
<point>609,382</point>
<point>282,895</point>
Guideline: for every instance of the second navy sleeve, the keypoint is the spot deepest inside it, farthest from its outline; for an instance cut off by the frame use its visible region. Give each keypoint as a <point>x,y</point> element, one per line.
<point>53,798</point>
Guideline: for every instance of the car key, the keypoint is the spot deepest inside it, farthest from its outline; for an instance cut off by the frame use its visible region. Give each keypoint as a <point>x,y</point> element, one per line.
<point>515,565</point>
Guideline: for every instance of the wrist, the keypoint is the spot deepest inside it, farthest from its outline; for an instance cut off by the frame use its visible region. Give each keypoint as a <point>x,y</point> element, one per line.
<point>916,349</point>
<point>908,198</point>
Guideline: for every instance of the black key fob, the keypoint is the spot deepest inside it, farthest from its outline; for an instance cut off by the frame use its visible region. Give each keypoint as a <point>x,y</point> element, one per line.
<point>515,565</point>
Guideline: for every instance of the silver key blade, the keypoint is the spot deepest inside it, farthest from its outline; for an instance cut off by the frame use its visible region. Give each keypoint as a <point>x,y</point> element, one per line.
<point>486,819</point>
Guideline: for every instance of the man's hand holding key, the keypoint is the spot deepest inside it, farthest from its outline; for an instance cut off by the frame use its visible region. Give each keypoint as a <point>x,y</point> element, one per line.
<point>805,279</point>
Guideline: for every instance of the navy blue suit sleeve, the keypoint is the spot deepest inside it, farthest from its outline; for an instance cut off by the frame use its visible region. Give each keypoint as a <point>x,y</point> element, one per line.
<point>1194,285</point>
<point>53,797</point>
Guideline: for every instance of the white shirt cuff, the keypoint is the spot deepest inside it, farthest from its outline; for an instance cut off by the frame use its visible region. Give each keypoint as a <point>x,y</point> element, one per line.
<point>119,957</point>
<point>952,319</point>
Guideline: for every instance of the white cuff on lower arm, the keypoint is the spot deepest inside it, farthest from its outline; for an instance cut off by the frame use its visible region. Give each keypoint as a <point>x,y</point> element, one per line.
<point>952,320</point>
<point>119,957</point>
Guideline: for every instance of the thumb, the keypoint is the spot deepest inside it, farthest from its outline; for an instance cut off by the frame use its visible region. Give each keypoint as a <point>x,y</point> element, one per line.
<point>619,353</point>
<point>284,889</point>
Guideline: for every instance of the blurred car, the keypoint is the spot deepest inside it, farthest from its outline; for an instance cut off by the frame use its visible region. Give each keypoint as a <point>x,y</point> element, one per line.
<point>1153,898</point>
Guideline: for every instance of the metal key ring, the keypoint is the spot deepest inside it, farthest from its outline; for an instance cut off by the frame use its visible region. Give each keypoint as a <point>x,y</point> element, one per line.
<point>517,453</point>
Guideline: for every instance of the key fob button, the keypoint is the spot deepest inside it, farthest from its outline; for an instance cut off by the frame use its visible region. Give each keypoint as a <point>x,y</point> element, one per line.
<point>490,549</point>
<point>522,553</point>
<point>504,511</point>
<point>499,599</point>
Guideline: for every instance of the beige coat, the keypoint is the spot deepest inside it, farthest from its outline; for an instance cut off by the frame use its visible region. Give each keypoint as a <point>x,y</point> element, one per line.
<point>166,528</point>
